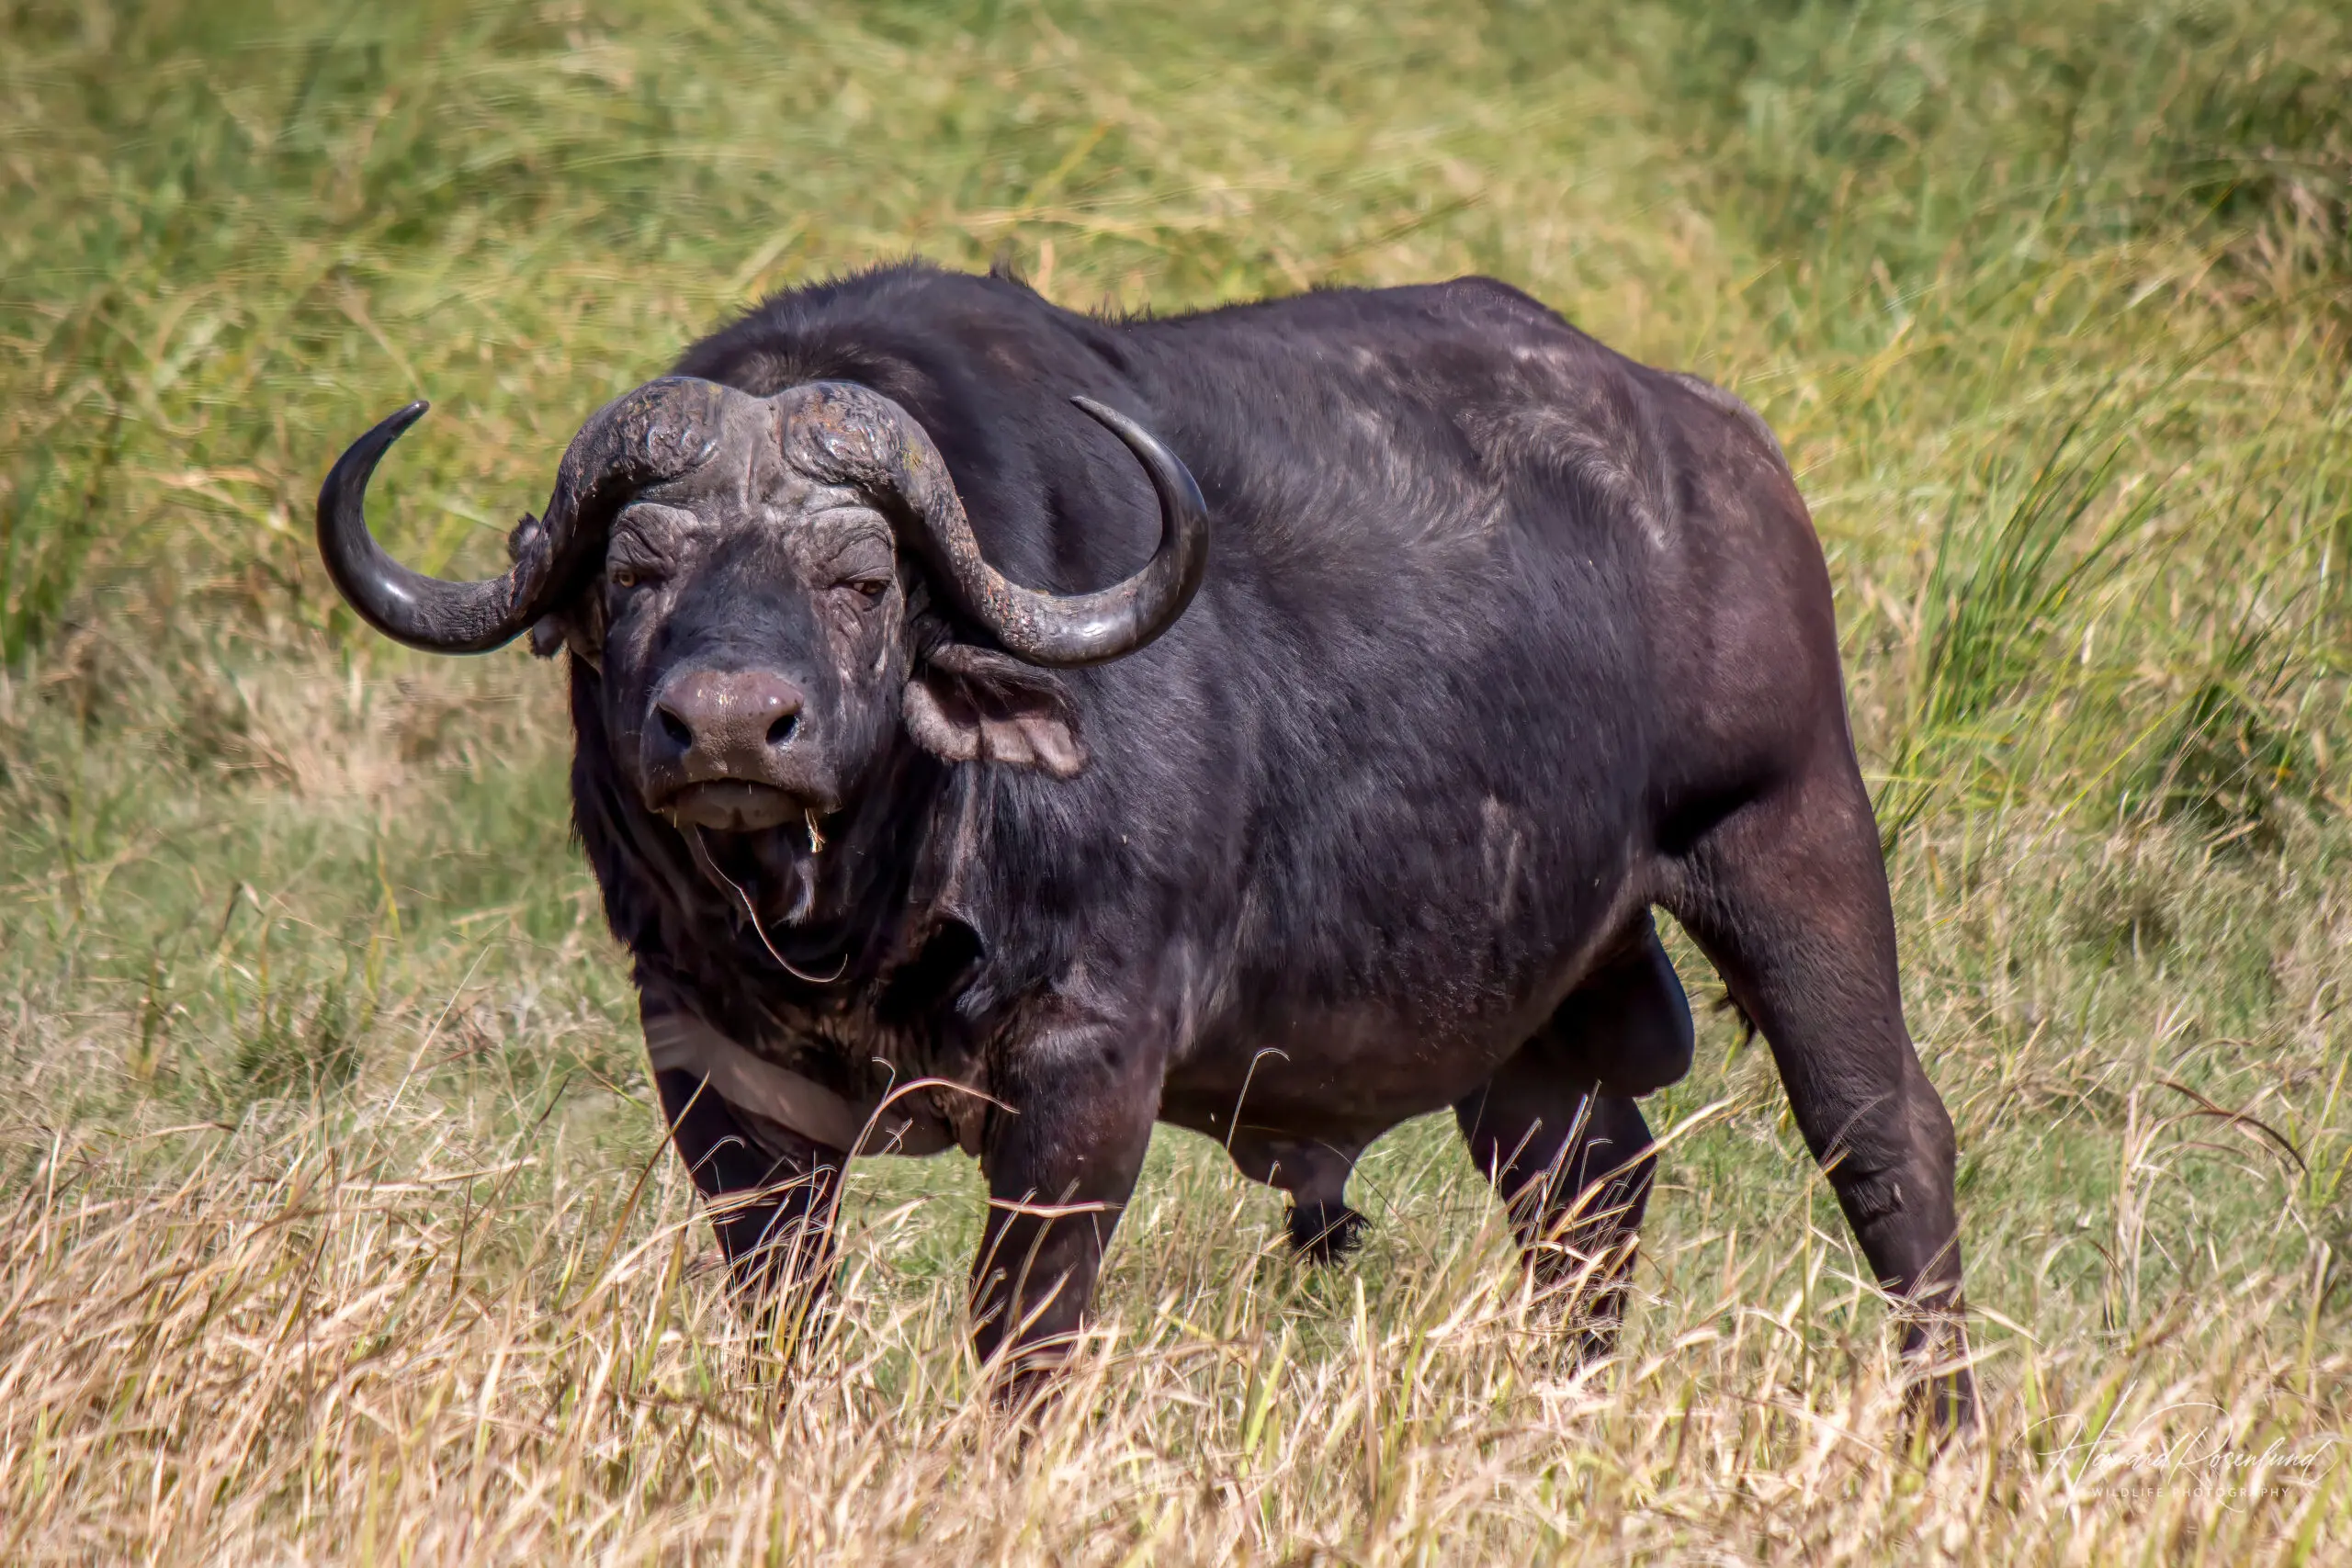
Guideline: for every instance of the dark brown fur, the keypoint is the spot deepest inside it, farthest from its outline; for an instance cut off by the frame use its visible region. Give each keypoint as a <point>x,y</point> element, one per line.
<point>1505,640</point>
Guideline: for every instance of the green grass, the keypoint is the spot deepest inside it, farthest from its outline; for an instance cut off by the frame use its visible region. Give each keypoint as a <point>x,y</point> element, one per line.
<point>340,1226</point>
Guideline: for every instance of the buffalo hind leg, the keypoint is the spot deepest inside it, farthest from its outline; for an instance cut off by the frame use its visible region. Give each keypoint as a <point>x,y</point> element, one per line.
<point>1575,1195</point>
<point>1788,896</point>
<point>1313,1171</point>
<point>1567,1155</point>
<point>774,1212</point>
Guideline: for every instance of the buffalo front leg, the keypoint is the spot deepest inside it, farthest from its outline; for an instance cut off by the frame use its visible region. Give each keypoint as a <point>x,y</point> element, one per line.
<point>771,1199</point>
<point>1788,896</point>
<point>1059,1172</point>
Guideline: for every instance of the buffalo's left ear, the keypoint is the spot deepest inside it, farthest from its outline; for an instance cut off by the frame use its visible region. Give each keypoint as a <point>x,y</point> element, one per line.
<point>974,704</point>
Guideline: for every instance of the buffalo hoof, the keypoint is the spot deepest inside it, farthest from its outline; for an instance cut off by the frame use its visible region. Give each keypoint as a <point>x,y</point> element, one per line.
<point>1325,1232</point>
<point>1942,1404</point>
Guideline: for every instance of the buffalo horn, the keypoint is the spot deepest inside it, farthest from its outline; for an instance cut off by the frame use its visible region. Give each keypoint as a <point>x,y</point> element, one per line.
<point>657,430</point>
<point>859,434</point>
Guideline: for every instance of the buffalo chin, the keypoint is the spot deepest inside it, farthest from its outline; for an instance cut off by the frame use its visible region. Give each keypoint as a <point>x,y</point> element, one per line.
<point>730,805</point>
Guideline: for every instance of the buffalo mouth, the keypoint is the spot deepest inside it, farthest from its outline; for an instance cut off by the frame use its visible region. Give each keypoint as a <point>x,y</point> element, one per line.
<point>732,805</point>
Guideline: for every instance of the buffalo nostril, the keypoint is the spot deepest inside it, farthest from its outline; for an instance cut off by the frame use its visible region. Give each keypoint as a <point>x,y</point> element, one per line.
<point>715,724</point>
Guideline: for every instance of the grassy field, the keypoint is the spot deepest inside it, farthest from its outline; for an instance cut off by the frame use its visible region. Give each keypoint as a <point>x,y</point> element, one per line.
<point>338,1228</point>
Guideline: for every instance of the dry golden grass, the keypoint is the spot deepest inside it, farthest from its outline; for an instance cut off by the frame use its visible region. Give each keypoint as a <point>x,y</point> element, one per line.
<point>374,1337</point>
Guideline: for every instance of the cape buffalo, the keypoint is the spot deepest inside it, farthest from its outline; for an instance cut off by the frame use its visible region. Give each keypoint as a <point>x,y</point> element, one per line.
<point>1465,642</point>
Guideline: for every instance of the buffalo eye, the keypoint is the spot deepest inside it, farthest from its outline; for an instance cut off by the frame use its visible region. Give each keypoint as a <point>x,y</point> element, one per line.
<point>867,587</point>
<point>624,577</point>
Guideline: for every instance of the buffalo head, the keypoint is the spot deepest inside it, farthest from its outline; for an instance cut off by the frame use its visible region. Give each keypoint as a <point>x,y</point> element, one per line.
<point>747,574</point>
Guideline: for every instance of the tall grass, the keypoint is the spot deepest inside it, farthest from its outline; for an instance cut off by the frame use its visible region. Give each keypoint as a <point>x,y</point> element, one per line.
<point>339,1225</point>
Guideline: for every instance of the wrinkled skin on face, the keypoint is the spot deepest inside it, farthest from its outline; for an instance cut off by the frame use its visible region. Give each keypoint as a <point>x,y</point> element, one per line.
<point>759,651</point>
<point>751,569</point>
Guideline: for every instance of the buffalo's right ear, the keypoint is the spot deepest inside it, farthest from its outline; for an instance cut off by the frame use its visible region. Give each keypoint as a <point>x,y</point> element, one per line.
<point>974,704</point>
<point>578,625</point>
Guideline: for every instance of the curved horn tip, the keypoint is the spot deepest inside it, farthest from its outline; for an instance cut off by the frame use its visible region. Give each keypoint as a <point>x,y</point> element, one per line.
<point>1105,414</point>
<point>386,430</point>
<point>406,605</point>
<point>394,425</point>
<point>1143,443</point>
